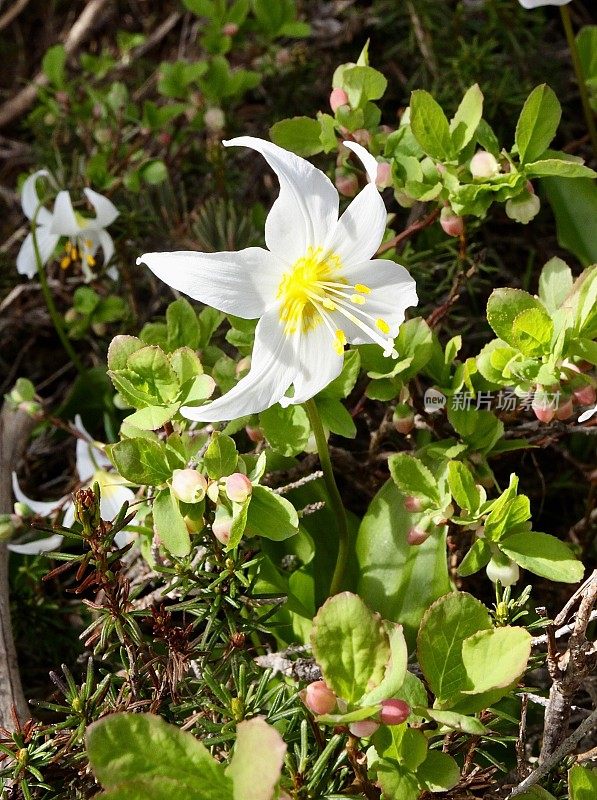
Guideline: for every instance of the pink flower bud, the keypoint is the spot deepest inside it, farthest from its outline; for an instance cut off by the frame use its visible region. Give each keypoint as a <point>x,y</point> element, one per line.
<point>254,434</point>
<point>452,224</point>
<point>230,29</point>
<point>362,137</point>
<point>384,175</point>
<point>565,410</point>
<point>403,418</point>
<point>585,396</point>
<point>164,138</point>
<point>394,712</point>
<point>484,165</point>
<point>238,487</point>
<point>214,120</point>
<point>412,504</point>
<point>220,528</point>
<point>347,184</point>
<point>543,409</point>
<point>417,535</point>
<point>364,728</point>
<point>338,98</point>
<point>523,208</point>
<point>188,485</point>
<point>319,698</point>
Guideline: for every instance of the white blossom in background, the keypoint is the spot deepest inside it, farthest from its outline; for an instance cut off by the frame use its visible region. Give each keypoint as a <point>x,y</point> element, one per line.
<point>586,415</point>
<point>83,235</point>
<point>315,289</point>
<point>537,3</point>
<point>91,465</point>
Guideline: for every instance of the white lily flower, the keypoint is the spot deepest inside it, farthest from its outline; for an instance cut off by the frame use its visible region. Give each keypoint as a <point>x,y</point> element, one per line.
<point>314,289</point>
<point>84,235</point>
<point>537,3</point>
<point>586,415</point>
<point>91,466</point>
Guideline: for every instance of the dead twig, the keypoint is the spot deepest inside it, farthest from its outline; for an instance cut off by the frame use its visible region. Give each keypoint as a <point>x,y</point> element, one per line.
<point>12,13</point>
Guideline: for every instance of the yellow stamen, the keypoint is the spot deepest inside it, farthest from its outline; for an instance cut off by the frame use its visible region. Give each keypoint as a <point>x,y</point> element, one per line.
<point>327,303</point>
<point>88,244</point>
<point>360,287</point>
<point>357,299</point>
<point>90,260</point>
<point>65,262</point>
<point>339,342</point>
<point>301,290</point>
<point>74,254</point>
<point>382,325</point>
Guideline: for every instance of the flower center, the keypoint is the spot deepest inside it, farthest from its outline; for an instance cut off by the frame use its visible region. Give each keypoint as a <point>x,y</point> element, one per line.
<point>314,291</point>
<point>75,251</point>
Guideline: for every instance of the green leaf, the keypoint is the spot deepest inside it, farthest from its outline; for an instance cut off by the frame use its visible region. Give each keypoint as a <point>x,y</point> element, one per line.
<point>53,64</point>
<point>495,659</point>
<point>558,167</point>
<point>186,364</point>
<point>220,458</point>
<point>336,417</point>
<point>447,624</point>
<point>537,124</point>
<point>121,347</point>
<point>395,672</point>
<point>555,283</point>
<point>182,325</point>
<point>270,515</point>
<point>140,461</point>
<point>286,429</point>
<point>429,125</point>
<point>582,783</point>
<point>477,557</point>
<point>150,371</point>
<point>257,760</point>
<point>363,84</point>
<point>170,525</point>
<point>151,418</point>
<point>466,119</point>
<point>396,579</point>
<point>459,722</point>
<point>351,646</point>
<point>397,782</point>
<point>463,487</point>
<point>343,385</point>
<point>122,750</point>
<point>481,430</point>
<point>412,477</point>
<point>300,135</point>
<point>439,772</point>
<point>544,555</point>
<point>574,203</point>
<point>155,172</point>
<point>504,305</point>
<point>532,331</point>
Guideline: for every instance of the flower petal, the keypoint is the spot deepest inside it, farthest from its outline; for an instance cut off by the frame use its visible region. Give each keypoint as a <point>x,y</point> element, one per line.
<point>306,208</point>
<point>107,246</point>
<point>46,242</point>
<point>360,229</point>
<point>368,161</point>
<point>393,290</point>
<point>319,364</point>
<point>39,507</point>
<point>244,283</point>
<point>586,415</point>
<point>37,547</point>
<point>273,368</point>
<point>30,199</point>
<point>69,516</point>
<point>114,494</point>
<point>105,210</point>
<point>89,457</point>
<point>64,221</point>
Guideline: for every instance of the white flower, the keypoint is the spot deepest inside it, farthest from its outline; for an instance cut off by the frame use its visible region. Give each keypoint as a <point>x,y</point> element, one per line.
<point>315,288</point>
<point>537,3</point>
<point>586,415</point>
<point>84,236</point>
<point>91,466</point>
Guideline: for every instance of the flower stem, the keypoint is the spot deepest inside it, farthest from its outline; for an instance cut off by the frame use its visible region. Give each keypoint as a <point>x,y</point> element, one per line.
<point>53,311</point>
<point>580,78</point>
<point>334,496</point>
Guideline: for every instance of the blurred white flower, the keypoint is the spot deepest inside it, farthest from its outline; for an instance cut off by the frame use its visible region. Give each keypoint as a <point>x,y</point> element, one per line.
<point>586,415</point>
<point>91,465</point>
<point>315,288</point>
<point>537,3</point>
<point>83,235</point>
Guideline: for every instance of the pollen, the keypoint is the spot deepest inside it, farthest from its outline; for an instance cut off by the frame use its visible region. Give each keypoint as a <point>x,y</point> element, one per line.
<point>361,288</point>
<point>382,325</point>
<point>357,299</point>
<point>90,260</point>
<point>339,341</point>
<point>302,290</point>
<point>65,262</point>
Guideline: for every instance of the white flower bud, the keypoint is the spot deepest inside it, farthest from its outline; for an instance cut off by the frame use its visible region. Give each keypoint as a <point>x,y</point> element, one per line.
<point>188,485</point>
<point>503,570</point>
<point>484,165</point>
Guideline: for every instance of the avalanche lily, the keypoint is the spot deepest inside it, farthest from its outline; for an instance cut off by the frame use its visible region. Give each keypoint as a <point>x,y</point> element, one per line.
<point>91,466</point>
<point>83,235</point>
<point>315,289</point>
<point>586,415</point>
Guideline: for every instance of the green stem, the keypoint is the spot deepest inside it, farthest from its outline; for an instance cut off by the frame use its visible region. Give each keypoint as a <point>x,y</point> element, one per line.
<point>580,78</point>
<point>55,316</point>
<point>334,496</point>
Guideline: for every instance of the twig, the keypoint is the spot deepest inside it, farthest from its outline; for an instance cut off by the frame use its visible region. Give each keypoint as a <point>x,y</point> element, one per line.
<point>15,427</point>
<point>563,631</point>
<point>289,487</point>
<point>12,13</point>
<point>23,100</point>
<point>585,727</point>
<point>421,223</point>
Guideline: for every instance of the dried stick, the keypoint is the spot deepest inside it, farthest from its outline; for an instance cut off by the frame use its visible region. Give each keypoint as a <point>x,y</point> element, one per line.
<point>15,427</point>
<point>24,99</point>
<point>12,13</point>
